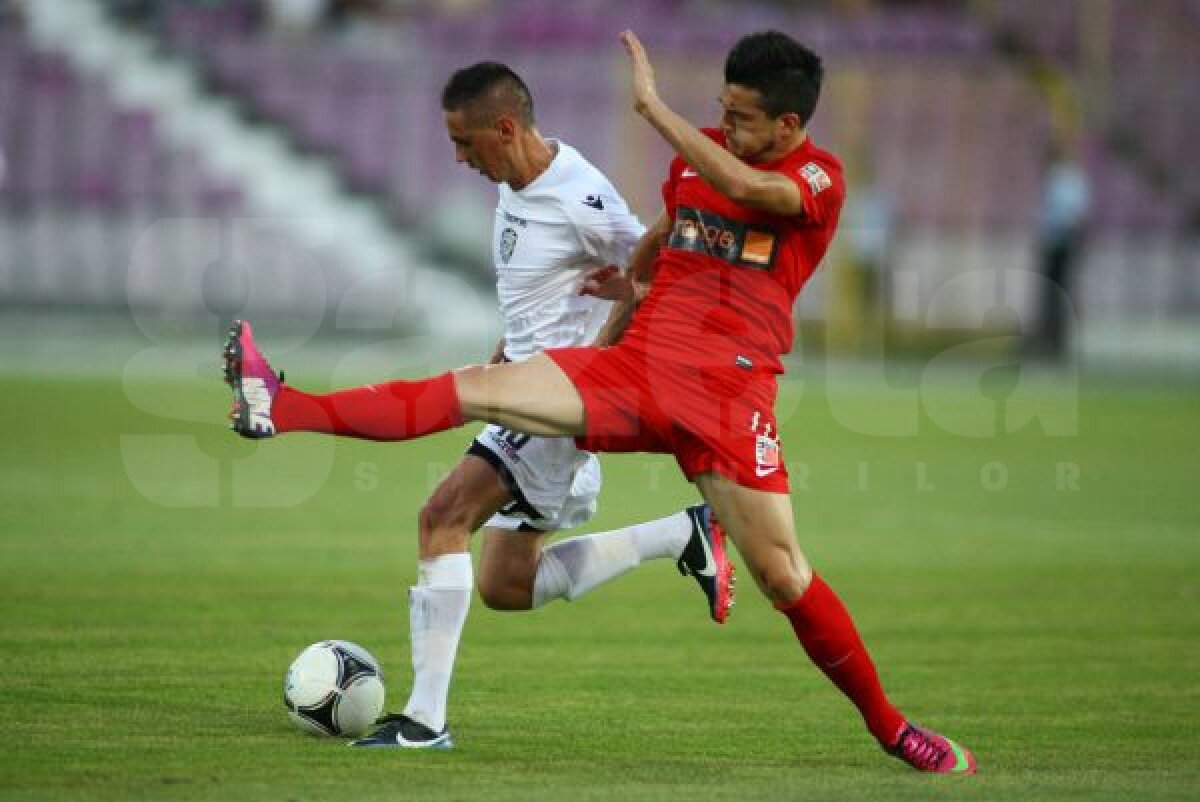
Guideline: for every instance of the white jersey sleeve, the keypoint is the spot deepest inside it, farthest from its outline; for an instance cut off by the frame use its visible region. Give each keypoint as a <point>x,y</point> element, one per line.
<point>607,230</point>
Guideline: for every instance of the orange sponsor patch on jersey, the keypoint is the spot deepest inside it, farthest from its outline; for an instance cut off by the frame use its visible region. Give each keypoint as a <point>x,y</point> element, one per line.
<point>758,247</point>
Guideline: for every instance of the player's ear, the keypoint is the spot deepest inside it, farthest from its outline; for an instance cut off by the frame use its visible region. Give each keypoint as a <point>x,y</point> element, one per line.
<point>789,123</point>
<point>506,127</point>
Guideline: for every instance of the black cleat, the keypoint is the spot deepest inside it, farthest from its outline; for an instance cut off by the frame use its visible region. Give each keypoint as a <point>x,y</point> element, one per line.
<point>398,731</point>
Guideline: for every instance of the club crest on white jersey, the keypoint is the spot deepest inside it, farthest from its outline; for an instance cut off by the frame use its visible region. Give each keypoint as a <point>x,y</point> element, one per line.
<point>508,242</point>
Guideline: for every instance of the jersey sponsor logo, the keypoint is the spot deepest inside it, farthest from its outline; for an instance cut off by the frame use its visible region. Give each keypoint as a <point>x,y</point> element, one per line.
<point>595,201</point>
<point>758,247</point>
<point>508,241</point>
<point>818,180</point>
<point>732,241</point>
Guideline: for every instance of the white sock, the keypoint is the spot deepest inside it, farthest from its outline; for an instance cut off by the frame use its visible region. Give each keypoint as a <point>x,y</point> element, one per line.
<point>570,568</point>
<point>437,609</point>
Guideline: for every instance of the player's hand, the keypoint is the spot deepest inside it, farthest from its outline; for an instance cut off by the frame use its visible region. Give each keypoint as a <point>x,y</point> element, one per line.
<point>608,283</point>
<point>645,92</point>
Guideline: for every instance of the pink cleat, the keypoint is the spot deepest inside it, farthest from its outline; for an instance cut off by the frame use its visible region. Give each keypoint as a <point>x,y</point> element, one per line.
<point>705,559</point>
<point>253,382</point>
<point>925,750</point>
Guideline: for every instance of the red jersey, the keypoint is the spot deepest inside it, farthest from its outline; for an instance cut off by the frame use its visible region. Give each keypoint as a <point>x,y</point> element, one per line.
<point>727,279</point>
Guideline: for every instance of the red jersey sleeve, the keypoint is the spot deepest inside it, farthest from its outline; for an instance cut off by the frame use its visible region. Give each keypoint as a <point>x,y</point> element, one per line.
<point>821,183</point>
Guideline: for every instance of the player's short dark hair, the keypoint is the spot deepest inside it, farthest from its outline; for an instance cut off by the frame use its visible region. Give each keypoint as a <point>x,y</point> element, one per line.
<point>486,90</point>
<point>786,73</point>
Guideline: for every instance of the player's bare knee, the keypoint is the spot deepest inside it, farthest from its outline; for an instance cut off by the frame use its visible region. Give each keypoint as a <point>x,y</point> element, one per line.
<point>502,595</point>
<point>470,384</point>
<point>783,582</point>
<point>492,595</point>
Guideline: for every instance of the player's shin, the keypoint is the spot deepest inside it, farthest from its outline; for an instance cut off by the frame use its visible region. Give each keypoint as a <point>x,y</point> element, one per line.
<point>438,607</point>
<point>396,410</point>
<point>829,636</point>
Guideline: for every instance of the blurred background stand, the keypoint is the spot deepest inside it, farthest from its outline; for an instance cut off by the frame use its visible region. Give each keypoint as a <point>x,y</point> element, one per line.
<point>299,143</point>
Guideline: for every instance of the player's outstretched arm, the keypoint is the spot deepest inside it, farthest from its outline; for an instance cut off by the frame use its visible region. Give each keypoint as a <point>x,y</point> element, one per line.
<point>618,317</point>
<point>635,282</point>
<point>727,174</point>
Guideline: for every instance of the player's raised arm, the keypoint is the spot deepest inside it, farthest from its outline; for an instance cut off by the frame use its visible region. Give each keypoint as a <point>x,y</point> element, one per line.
<point>728,174</point>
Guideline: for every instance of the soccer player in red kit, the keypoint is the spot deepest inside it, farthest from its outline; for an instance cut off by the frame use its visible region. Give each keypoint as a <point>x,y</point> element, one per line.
<point>750,211</point>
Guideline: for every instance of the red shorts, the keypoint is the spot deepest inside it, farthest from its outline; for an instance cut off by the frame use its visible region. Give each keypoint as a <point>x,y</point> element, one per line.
<point>717,419</point>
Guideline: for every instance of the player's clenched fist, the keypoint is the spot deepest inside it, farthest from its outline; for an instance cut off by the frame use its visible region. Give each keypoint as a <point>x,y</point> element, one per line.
<point>607,283</point>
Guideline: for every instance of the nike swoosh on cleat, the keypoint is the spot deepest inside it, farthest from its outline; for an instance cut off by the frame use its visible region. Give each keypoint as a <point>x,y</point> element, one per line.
<point>710,564</point>
<point>960,758</point>
<point>436,742</point>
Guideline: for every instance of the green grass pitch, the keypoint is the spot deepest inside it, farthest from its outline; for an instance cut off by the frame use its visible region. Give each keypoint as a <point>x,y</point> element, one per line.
<point>1036,597</point>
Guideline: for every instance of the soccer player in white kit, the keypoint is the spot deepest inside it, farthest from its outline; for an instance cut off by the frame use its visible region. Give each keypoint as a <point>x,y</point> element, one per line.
<point>560,228</point>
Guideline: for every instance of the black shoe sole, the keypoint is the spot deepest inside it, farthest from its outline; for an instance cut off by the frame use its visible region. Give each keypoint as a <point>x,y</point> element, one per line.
<point>231,355</point>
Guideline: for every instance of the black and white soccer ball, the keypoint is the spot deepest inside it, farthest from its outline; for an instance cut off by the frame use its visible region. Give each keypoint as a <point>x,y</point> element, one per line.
<point>334,687</point>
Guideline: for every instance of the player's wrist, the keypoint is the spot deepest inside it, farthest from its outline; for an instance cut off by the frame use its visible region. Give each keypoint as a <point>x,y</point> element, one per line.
<point>649,105</point>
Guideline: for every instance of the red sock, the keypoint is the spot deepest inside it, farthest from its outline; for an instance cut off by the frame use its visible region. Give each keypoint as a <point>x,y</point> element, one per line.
<point>398,410</point>
<point>827,633</point>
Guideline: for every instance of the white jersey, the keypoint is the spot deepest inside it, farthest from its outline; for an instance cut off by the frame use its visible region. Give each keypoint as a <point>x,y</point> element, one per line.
<point>546,237</point>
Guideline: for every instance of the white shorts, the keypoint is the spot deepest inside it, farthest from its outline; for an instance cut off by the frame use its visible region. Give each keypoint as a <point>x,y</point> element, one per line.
<point>554,484</point>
